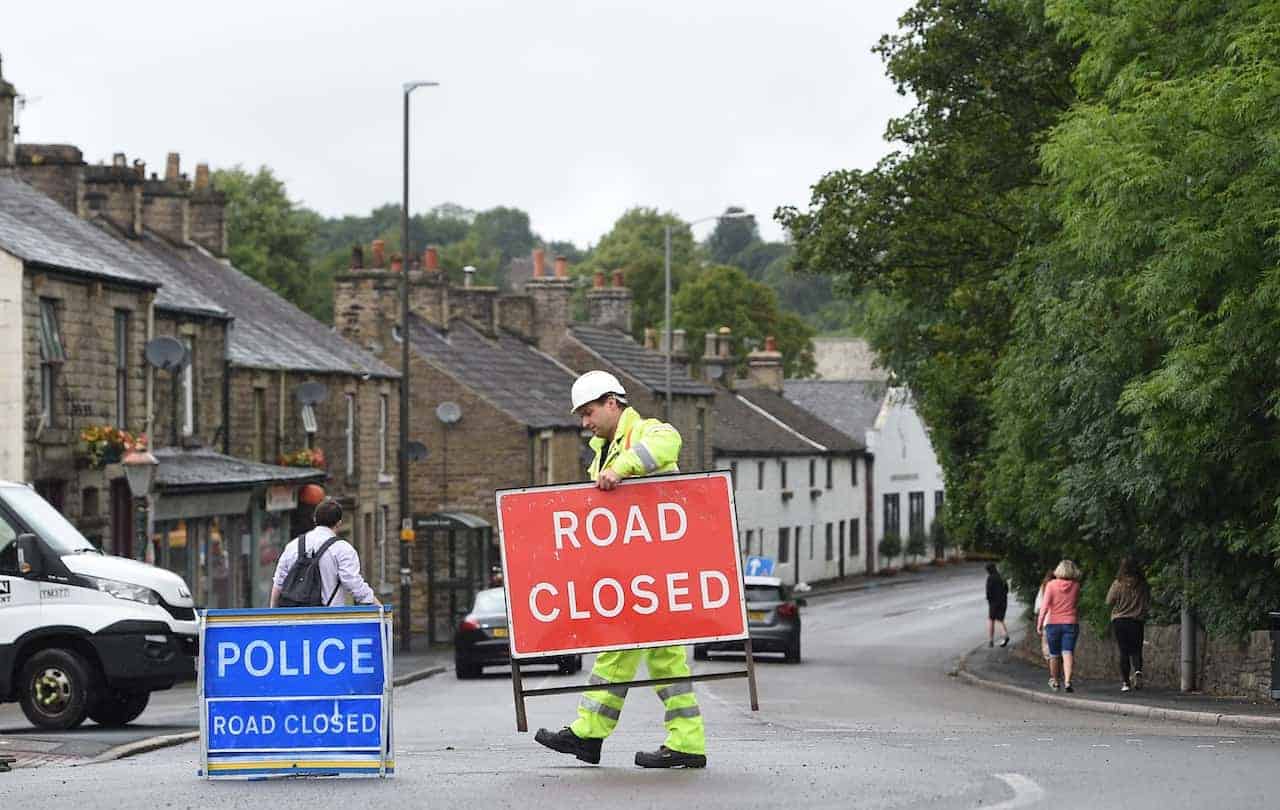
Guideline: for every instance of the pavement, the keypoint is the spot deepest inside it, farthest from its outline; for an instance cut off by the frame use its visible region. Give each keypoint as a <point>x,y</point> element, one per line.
<point>1004,670</point>
<point>170,719</point>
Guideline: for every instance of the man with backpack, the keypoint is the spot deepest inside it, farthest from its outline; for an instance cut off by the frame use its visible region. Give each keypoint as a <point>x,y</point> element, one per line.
<point>317,564</point>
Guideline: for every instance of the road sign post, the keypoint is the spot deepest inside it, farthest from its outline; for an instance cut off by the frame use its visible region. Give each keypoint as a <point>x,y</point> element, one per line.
<point>296,692</point>
<point>652,563</point>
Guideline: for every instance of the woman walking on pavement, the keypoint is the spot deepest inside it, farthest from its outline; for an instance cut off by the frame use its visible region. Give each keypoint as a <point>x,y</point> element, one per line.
<point>1130,599</point>
<point>1060,599</point>
<point>997,605</point>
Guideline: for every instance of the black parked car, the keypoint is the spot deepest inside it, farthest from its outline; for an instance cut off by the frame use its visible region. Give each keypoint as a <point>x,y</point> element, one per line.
<point>773,621</point>
<point>481,640</point>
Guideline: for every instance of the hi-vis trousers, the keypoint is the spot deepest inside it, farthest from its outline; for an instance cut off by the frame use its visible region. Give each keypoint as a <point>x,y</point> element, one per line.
<point>598,711</point>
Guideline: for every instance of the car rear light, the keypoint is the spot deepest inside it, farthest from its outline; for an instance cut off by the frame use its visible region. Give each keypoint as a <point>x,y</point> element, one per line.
<point>469,623</point>
<point>787,609</point>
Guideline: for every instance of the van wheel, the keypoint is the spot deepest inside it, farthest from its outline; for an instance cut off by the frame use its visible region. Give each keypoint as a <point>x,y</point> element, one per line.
<point>113,709</point>
<point>57,689</point>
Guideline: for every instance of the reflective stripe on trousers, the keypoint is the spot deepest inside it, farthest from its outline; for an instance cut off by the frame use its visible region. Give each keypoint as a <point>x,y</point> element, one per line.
<point>599,710</point>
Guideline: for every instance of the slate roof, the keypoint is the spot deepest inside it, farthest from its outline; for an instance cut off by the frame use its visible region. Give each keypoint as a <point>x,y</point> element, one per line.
<point>506,372</point>
<point>849,405</point>
<point>37,230</point>
<point>646,365</point>
<point>202,469</point>
<point>269,332</point>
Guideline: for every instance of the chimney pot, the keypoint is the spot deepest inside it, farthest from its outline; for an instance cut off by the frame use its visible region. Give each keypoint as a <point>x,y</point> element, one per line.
<point>650,338</point>
<point>724,336</point>
<point>379,247</point>
<point>202,176</point>
<point>140,169</point>
<point>468,273</point>
<point>397,264</point>
<point>597,280</point>
<point>432,259</point>
<point>710,349</point>
<point>357,257</point>
<point>562,267</point>
<point>770,344</point>
<point>539,262</point>
<point>171,167</point>
<point>619,279</point>
<point>117,160</point>
<point>677,342</point>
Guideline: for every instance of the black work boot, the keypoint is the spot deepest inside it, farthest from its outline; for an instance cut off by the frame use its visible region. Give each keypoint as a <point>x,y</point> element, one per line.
<point>664,757</point>
<point>566,742</point>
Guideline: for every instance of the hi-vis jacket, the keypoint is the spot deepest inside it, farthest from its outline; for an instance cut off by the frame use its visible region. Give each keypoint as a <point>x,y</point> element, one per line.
<point>639,447</point>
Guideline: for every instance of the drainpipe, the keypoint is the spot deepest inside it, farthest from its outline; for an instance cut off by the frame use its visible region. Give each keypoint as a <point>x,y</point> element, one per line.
<point>869,480</point>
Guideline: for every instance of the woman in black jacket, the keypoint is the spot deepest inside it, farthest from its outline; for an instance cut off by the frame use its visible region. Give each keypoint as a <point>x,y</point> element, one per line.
<point>997,605</point>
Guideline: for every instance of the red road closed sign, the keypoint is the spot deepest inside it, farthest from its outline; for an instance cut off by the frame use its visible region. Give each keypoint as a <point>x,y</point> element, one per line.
<point>651,563</point>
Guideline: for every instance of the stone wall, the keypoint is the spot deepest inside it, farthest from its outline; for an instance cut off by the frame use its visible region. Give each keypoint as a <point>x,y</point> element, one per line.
<point>208,339</point>
<point>1224,667</point>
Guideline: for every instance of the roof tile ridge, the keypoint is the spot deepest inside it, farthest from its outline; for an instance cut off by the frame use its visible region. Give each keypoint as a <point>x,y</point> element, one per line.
<point>779,422</point>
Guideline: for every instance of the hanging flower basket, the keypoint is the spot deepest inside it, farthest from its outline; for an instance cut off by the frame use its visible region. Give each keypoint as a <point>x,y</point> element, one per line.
<point>306,457</point>
<point>105,444</point>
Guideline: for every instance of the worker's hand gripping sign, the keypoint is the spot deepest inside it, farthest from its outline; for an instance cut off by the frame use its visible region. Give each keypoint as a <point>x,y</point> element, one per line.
<point>651,563</point>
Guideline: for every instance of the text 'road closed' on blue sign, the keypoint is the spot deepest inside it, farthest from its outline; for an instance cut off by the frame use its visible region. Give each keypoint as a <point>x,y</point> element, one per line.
<point>303,691</point>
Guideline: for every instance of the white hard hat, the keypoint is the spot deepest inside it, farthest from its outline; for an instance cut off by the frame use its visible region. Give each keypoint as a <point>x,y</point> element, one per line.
<point>593,385</point>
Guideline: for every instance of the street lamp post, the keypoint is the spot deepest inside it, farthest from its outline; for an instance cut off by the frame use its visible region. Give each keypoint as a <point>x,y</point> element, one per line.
<point>406,521</point>
<point>140,473</point>
<point>667,298</point>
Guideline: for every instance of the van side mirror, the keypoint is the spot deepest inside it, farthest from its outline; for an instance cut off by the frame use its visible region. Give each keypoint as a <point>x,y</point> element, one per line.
<point>30,562</point>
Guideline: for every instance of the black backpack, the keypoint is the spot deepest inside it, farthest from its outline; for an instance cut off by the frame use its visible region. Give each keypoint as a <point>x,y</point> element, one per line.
<point>303,586</point>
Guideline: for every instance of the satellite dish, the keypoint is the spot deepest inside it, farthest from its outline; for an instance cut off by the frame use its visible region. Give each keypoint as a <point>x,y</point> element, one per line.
<point>166,353</point>
<point>416,451</point>
<point>715,371</point>
<point>448,412</point>
<point>311,393</point>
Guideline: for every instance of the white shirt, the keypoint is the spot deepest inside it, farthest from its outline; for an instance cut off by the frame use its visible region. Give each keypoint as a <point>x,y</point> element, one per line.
<point>341,563</point>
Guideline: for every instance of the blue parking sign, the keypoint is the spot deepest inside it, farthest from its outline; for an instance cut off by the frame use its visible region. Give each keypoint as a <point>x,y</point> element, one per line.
<point>759,567</point>
<point>298,691</point>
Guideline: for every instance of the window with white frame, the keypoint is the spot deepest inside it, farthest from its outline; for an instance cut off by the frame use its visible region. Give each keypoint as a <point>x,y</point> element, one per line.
<point>53,354</point>
<point>309,424</point>
<point>189,389</point>
<point>382,434</point>
<point>349,433</point>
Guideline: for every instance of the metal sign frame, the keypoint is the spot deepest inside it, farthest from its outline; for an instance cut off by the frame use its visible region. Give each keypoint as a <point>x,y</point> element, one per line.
<point>277,762</point>
<point>517,682</point>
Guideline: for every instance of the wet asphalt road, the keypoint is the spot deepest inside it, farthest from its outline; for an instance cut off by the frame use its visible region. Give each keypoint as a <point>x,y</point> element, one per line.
<point>869,719</point>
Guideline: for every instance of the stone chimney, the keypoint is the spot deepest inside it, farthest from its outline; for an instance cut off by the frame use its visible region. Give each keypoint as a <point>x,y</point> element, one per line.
<point>166,205</point>
<point>764,366</point>
<point>8,131</point>
<point>56,170</point>
<point>610,307</point>
<point>717,357</point>
<point>114,193</point>
<point>208,208</point>
<point>552,309</point>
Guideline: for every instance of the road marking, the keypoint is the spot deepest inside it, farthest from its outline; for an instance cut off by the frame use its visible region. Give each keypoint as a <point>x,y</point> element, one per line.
<point>1226,742</point>
<point>1025,792</point>
<point>1205,746</point>
<point>1002,745</point>
<point>950,739</point>
<point>1044,739</point>
<point>1134,741</point>
<point>1101,745</point>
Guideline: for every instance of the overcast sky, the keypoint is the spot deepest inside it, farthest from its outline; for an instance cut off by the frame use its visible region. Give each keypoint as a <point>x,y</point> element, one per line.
<point>573,112</point>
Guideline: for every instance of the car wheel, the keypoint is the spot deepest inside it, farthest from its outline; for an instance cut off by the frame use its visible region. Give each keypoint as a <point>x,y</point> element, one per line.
<point>793,652</point>
<point>57,689</point>
<point>700,652</point>
<point>465,670</point>
<point>113,709</point>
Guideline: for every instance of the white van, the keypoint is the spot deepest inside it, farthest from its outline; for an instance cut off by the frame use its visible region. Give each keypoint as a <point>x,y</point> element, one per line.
<point>82,633</point>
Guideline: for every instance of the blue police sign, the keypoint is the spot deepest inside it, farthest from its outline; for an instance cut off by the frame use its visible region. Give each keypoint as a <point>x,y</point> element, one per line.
<point>301,691</point>
<point>759,566</point>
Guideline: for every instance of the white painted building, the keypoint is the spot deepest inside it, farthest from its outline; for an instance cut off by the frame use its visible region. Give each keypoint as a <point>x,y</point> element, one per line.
<point>799,485</point>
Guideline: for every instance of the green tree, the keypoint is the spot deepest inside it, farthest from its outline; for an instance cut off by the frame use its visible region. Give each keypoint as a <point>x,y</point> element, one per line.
<point>890,547</point>
<point>935,227</point>
<point>268,237</point>
<point>635,244</point>
<point>732,237</point>
<point>724,296</point>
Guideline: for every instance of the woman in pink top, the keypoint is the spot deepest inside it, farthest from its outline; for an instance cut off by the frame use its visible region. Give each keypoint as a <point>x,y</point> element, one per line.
<point>1058,620</point>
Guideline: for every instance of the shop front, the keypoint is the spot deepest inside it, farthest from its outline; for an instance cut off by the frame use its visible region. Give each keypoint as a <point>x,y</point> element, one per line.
<point>221,523</point>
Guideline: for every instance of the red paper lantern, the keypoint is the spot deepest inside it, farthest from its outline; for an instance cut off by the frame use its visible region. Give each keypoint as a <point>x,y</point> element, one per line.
<point>311,494</point>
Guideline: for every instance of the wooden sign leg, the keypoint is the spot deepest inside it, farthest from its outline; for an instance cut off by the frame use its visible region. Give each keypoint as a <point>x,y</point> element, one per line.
<point>522,722</point>
<point>751,676</point>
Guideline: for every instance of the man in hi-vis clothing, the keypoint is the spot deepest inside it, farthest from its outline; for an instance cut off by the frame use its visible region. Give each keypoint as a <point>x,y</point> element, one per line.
<point>627,445</point>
